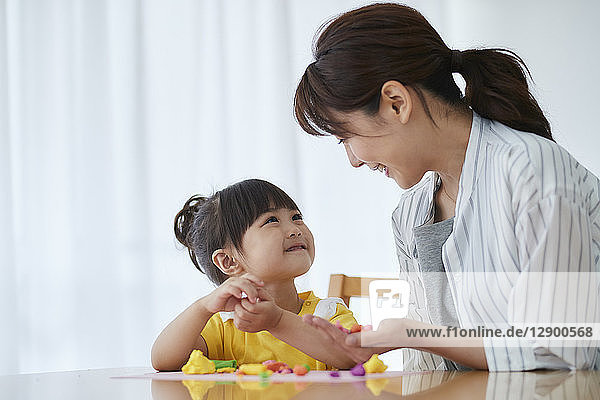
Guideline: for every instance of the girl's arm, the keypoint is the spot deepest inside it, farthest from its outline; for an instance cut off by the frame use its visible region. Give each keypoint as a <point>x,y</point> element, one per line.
<point>289,327</point>
<point>173,346</point>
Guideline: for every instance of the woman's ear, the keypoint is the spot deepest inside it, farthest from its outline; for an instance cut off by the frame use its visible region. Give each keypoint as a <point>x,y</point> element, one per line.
<point>396,101</point>
<point>226,263</point>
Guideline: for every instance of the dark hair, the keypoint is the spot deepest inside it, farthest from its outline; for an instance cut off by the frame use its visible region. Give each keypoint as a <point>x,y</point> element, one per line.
<point>206,224</point>
<point>360,50</point>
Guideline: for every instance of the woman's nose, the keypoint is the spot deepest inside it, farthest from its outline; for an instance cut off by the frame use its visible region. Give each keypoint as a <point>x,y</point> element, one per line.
<point>354,161</point>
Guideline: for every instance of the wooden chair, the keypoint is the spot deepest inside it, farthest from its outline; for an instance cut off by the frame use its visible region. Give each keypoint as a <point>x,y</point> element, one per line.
<point>344,286</point>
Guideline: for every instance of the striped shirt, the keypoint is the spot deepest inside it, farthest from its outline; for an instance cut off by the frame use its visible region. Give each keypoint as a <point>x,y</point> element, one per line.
<point>525,247</point>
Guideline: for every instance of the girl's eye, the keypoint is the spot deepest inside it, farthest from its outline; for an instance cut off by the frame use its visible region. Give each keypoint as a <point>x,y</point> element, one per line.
<point>297,216</point>
<point>271,219</point>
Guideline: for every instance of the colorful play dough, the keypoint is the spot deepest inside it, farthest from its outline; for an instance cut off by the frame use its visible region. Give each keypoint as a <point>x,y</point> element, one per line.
<point>220,364</point>
<point>300,370</point>
<point>358,370</point>
<point>198,364</point>
<point>198,389</point>
<point>253,369</point>
<point>376,386</point>
<point>275,366</point>
<point>225,370</point>
<point>374,365</point>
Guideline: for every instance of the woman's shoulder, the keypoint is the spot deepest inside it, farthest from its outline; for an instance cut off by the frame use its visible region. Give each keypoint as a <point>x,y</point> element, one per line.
<point>413,209</point>
<point>414,203</point>
<point>536,166</point>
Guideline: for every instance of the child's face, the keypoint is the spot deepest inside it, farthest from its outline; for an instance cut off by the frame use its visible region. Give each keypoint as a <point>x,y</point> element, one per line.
<point>278,246</point>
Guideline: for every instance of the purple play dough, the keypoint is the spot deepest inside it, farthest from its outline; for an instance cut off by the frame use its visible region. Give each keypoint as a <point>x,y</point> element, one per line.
<point>358,370</point>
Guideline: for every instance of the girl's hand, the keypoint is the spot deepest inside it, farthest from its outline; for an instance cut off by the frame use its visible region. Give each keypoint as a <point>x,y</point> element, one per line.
<point>226,296</point>
<point>260,316</point>
<point>359,346</point>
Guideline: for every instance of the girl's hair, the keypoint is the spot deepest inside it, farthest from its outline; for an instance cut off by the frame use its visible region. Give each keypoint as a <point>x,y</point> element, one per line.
<point>362,49</point>
<point>206,224</point>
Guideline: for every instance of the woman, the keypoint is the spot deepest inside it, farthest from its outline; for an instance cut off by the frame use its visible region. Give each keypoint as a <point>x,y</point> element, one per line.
<point>504,230</point>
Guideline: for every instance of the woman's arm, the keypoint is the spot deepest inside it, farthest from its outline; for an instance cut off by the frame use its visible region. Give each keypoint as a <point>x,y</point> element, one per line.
<point>292,330</point>
<point>400,333</point>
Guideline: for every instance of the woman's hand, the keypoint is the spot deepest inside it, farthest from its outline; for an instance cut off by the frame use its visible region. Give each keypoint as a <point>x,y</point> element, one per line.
<point>229,294</point>
<point>260,316</point>
<point>359,346</point>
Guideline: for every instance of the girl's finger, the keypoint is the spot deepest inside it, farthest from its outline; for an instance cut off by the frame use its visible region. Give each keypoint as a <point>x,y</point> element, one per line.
<point>239,287</point>
<point>241,314</point>
<point>234,291</point>
<point>250,290</point>
<point>248,306</point>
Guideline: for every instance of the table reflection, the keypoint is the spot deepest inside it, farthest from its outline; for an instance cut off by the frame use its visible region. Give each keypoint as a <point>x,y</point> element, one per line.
<point>434,385</point>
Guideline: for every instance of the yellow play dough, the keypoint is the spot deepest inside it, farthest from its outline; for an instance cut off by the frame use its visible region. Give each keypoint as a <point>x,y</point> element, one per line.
<point>198,389</point>
<point>225,370</point>
<point>374,365</point>
<point>253,369</point>
<point>198,364</point>
<point>376,386</point>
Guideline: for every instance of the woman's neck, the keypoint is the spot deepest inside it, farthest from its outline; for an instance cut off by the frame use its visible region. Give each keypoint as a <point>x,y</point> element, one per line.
<point>450,156</point>
<point>285,295</point>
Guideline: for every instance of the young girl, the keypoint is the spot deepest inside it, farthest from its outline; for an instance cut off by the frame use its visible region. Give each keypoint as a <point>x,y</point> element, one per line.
<point>251,241</point>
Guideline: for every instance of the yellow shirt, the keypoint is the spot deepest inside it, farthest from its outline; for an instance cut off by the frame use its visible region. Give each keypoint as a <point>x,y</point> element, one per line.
<point>225,342</point>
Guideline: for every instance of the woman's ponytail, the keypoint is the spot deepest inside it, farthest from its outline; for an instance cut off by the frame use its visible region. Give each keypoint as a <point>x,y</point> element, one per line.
<point>496,88</point>
<point>362,49</point>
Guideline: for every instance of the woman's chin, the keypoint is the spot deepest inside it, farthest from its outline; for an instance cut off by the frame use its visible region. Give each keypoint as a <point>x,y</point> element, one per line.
<point>405,182</point>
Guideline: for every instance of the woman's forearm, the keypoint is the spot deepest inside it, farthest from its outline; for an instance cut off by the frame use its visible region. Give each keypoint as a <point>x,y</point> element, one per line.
<point>173,346</point>
<point>467,351</point>
<point>292,330</point>
<point>465,354</point>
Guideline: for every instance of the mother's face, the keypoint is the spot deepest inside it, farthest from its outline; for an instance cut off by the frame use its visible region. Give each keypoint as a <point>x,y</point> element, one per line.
<point>386,145</point>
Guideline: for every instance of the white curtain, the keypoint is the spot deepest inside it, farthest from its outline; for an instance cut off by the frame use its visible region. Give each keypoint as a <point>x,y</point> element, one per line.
<point>113,112</point>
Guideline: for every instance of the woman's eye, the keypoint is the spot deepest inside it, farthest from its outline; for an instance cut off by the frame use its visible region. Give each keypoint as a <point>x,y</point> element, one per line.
<point>271,219</point>
<point>297,216</point>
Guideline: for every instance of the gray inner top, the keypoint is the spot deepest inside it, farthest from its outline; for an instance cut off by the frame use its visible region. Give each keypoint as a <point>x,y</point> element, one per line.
<point>429,240</point>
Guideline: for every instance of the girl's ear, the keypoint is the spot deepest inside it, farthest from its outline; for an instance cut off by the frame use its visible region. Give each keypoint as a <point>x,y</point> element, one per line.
<point>226,263</point>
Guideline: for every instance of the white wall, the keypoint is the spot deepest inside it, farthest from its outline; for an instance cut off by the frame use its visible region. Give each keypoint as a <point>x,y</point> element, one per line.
<point>558,40</point>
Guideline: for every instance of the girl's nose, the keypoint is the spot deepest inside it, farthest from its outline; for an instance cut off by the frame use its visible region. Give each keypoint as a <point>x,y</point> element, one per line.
<point>295,233</point>
<point>354,161</point>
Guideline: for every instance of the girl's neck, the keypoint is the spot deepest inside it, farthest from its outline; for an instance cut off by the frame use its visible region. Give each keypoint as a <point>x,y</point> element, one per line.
<point>285,295</point>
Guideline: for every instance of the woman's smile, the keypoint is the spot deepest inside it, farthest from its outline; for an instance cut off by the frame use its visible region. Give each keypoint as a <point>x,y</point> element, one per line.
<point>381,168</point>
